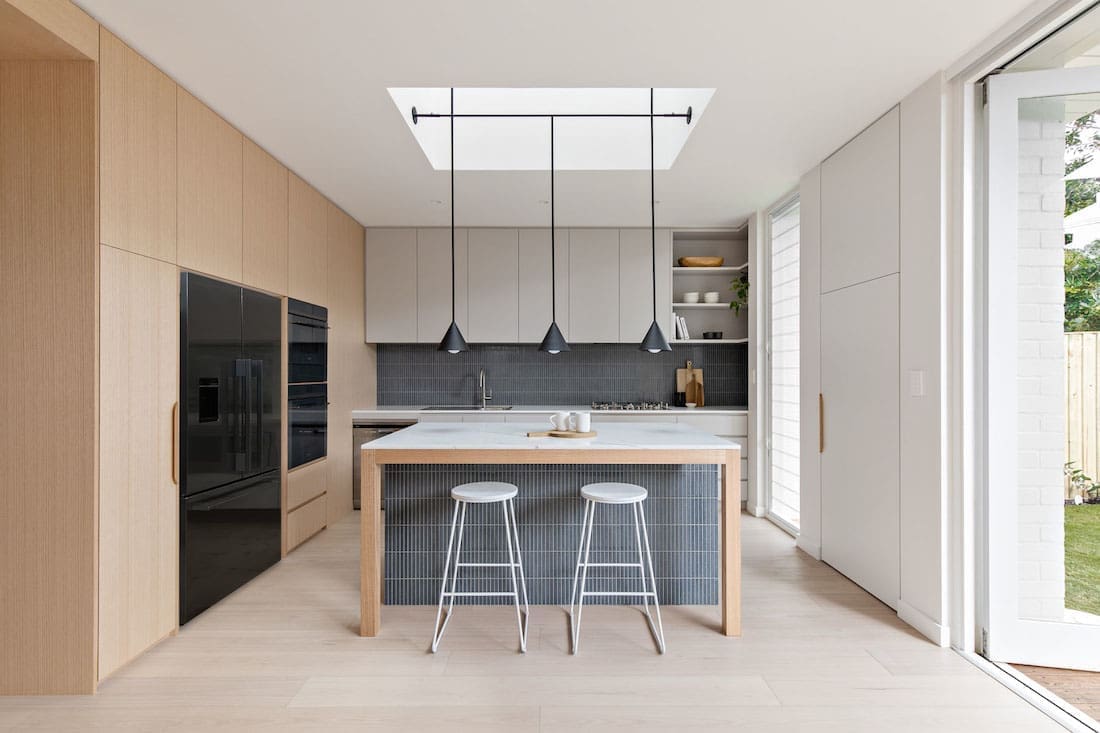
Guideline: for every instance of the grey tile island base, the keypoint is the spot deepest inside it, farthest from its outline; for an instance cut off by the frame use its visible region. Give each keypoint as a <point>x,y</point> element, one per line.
<point>442,452</point>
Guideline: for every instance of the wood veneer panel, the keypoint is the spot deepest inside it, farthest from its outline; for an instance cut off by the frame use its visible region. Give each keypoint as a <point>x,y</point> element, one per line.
<point>209,190</point>
<point>47,30</point>
<point>308,277</point>
<point>305,521</point>
<point>139,497</point>
<point>265,220</point>
<point>48,440</point>
<point>138,150</point>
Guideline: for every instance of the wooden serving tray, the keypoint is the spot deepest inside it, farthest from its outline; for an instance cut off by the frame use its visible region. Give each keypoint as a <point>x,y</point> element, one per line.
<point>561,434</point>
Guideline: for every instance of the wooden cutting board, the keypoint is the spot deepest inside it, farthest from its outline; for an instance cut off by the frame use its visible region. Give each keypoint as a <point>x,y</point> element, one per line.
<point>689,380</point>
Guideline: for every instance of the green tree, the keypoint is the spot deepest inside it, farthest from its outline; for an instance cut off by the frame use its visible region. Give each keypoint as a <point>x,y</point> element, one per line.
<point>1082,140</point>
<point>1083,288</point>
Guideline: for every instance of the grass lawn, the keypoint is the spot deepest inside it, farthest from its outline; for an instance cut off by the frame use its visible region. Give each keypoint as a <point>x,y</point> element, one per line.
<point>1083,558</point>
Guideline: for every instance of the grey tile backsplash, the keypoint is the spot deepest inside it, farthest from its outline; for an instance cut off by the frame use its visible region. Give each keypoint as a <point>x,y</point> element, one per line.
<point>520,374</point>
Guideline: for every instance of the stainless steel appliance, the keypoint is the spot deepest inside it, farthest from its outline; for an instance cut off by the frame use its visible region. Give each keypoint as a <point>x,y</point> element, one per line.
<point>307,418</point>
<point>643,405</point>
<point>365,433</point>
<point>307,342</point>
<point>230,435</point>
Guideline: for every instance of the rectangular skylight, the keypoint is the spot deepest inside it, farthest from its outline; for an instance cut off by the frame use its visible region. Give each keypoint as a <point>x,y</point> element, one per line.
<point>580,144</point>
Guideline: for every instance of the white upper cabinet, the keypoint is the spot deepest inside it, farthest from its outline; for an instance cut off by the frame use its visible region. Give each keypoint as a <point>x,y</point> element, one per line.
<point>535,287</point>
<point>859,207</point>
<point>391,275</point>
<point>594,285</point>
<point>493,277</point>
<point>636,282</point>
<point>433,284</point>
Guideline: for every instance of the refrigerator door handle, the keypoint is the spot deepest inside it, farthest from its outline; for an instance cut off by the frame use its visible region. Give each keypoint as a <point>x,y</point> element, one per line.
<point>256,413</point>
<point>240,408</point>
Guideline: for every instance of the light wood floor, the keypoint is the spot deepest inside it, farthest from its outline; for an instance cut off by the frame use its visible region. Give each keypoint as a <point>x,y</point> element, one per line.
<point>818,654</point>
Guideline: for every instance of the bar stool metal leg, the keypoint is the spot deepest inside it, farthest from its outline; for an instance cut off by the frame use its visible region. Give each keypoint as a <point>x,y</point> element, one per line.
<point>522,577</point>
<point>454,581</point>
<point>659,630</point>
<point>575,620</point>
<point>515,586</point>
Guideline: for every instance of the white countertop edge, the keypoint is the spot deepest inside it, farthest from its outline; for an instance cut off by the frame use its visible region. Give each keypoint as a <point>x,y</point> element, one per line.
<point>414,411</point>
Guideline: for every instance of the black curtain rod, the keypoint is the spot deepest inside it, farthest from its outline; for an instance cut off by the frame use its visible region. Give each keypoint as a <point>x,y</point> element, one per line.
<point>416,116</point>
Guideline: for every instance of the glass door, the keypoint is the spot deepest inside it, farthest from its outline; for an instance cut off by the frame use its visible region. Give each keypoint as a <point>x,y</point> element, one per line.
<point>1042,374</point>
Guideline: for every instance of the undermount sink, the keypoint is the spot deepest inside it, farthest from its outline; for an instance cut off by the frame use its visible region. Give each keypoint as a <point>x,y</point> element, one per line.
<point>487,408</point>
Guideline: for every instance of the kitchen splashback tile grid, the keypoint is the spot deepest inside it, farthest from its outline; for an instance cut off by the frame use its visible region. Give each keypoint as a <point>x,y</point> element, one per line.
<point>418,374</point>
<point>681,513</point>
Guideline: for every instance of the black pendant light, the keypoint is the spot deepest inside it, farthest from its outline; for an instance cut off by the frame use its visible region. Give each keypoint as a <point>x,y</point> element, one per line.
<point>452,342</point>
<point>654,341</point>
<point>553,342</point>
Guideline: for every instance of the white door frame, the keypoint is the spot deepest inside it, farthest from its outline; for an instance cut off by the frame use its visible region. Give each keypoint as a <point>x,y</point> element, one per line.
<point>1010,638</point>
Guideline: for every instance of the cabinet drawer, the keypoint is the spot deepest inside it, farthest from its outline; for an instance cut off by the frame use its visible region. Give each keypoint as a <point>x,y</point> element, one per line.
<point>306,483</point>
<point>724,425</point>
<point>305,521</point>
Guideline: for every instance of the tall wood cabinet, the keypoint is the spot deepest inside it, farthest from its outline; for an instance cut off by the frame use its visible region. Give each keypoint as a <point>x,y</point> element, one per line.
<point>137,174</point>
<point>138,491</point>
<point>264,220</point>
<point>210,211</point>
<point>308,257</point>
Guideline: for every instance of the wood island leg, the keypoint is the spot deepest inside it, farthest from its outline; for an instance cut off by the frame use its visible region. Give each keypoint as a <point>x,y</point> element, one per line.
<point>731,544</point>
<point>370,546</point>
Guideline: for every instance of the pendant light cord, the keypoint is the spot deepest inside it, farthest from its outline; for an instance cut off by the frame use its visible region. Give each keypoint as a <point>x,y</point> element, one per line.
<point>553,265</point>
<point>652,205</point>
<point>453,207</point>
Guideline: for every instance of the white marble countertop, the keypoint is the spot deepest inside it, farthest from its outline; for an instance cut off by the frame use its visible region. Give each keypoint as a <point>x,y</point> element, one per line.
<point>614,436</point>
<point>412,412</point>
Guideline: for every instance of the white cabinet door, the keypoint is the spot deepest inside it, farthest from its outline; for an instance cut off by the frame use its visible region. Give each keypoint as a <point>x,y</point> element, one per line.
<point>636,282</point>
<point>390,286</point>
<point>861,458</point>
<point>493,257</point>
<point>594,285</point>
<point>859,207</point>
<point>535,287</point>
<point>433,283</point>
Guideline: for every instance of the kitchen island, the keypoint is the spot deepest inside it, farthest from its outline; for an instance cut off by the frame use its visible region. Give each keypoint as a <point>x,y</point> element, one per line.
<point>463,445</point>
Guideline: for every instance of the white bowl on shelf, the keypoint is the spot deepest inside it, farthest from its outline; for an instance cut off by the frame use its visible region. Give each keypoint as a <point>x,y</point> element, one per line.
<point>711,297</point>
<point>692,297</point>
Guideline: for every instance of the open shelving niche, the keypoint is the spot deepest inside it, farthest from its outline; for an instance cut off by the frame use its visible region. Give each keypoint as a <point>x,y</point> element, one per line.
<point>731,244</point>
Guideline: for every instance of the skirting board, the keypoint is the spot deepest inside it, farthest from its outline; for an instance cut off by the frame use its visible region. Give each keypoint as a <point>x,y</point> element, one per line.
<point>758,511</point>
<point>812,549</point>
<point>937,632</point>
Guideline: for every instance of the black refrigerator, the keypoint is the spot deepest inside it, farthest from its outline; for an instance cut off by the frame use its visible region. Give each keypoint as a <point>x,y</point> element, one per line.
<point>230,433</point>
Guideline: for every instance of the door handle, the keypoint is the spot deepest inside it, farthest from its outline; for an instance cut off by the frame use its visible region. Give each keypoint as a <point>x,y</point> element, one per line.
<point>820,423</point>
<point>175,442</point>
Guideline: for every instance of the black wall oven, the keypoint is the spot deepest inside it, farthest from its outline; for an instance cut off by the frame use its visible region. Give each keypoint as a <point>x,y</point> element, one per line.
<point>307,417</point>
<point>307,342</point>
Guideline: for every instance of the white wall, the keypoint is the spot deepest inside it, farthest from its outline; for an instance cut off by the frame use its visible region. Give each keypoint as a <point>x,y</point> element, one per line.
<point>1041,365</point>
<point>922,569</point>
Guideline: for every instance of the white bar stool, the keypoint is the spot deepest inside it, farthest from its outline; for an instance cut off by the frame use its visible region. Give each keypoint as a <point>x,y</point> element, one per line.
<point>483,492</point>
<point>614,493</point>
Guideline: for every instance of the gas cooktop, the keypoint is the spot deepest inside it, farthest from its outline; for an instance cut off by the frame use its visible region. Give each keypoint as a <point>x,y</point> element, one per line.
<point>643,405</point>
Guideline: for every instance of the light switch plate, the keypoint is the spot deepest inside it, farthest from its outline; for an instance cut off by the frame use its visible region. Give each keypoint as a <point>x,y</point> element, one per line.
<point>916,383</point>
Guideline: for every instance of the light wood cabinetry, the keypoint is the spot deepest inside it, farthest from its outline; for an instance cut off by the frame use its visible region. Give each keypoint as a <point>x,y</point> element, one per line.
<point>209,190</point>
<point>137,153</point>
<point>350,361</point>
<point>594,285</point>
<point>391,279</point>
<point>306,483</point>
<point>306,521</point>
<point>860,201</point>
<point>265,221</point>
<point>433,283</point>
<point>636,281</point>
<point>47,443</point>
<point>308,278</point>
<point>493,285</point>
<point>138,494</point>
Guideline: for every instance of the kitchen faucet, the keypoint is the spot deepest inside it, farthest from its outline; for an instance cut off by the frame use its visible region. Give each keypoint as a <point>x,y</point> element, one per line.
<point>486,394</point>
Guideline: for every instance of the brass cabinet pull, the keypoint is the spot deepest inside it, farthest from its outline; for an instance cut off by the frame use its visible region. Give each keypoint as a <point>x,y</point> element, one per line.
<point>820,423</point>
<point>175,442</point>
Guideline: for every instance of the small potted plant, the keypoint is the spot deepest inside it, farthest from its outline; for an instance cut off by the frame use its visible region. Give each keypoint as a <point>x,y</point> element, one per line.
<point>740,288</point>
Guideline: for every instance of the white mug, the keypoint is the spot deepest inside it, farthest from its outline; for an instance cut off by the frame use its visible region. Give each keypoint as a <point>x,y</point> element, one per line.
<point>560,421</point>
<point>582,422</point>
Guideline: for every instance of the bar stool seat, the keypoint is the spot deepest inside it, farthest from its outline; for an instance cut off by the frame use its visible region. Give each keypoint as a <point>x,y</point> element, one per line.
<point>614,493</point>
<point>484,492</point>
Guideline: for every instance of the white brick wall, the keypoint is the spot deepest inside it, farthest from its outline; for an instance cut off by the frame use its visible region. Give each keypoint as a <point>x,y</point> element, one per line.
<point>1041,381</point>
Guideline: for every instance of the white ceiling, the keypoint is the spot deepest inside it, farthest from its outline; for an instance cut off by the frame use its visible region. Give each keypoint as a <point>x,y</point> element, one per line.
<point>794,80</point>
